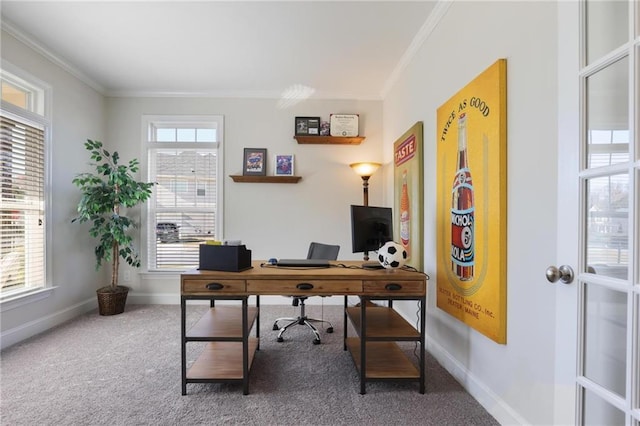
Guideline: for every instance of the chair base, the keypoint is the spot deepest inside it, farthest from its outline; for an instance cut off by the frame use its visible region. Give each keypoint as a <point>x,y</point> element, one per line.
<point>301,321</point>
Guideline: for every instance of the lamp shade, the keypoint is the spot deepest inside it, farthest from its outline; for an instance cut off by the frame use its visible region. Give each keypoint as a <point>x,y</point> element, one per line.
<point>365,168</point>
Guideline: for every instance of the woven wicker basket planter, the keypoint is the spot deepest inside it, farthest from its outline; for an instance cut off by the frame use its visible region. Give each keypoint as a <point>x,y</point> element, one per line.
<point>112,303</point>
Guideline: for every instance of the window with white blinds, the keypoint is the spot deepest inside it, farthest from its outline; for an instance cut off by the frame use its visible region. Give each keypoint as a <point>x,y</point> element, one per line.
<point>183,157</point>
<point>22,201</point>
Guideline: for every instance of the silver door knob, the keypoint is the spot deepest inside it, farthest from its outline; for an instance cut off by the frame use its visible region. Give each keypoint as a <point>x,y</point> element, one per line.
<point>564,273</point>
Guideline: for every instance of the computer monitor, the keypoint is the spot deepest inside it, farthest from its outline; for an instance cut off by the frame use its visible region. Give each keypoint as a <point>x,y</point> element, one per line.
<point>371,227</point>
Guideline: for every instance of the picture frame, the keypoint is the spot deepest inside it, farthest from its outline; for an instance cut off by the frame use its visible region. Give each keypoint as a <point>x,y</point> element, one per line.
<point>254,162</point>
<point>344,125</point>
<point>307,126</point>
<point>283,165</point>
<point>471,255</point>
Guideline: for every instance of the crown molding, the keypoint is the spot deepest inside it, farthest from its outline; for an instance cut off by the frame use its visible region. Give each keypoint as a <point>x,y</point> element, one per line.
<point>439,10</point>
<point>28,40</point>
<point>236,94</point>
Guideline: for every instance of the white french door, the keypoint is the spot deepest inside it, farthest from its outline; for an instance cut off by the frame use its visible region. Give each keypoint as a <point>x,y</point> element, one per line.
<point>597,343</point>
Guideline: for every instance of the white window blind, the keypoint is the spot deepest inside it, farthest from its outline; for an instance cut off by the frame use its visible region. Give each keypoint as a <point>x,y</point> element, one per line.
<point>183,161</point>
<point>22,231</point>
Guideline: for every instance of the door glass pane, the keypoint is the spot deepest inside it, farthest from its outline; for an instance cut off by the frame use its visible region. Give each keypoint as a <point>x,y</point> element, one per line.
<point>607,26</point>
<point>607,95</point>
<point>605,332</point>
<point>597,412</point>
<point>607,234</point>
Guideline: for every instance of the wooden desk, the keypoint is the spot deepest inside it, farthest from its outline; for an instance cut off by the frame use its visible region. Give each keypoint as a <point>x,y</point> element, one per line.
<point>228,328</point>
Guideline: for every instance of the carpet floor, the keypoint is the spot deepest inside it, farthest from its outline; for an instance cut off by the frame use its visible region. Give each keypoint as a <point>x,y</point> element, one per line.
<point>125,370</point>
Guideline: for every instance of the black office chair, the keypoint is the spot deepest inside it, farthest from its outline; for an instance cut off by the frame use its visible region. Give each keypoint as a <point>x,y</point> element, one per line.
<point>316,251</point>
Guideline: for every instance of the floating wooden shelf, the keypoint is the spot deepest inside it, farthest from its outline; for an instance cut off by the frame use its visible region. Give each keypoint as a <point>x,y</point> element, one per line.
<point>329,140</point>
<point>265,179</point>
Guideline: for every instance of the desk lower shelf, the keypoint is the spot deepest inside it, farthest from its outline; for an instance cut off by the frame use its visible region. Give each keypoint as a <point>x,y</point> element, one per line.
<point>222,323</point>
<point>385,360</point>
<point>221,361</point>
<point>383,323</point>
<point>222,358</point>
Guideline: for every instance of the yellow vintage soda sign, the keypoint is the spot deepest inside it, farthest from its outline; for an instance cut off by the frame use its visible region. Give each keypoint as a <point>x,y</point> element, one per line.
<point>471,203</point>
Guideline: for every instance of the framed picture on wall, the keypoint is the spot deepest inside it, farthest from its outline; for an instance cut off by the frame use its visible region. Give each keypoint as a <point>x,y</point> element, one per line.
<point>471,187</point>
<point>345,125</point>
<point>255,162</point>
<point>284,165</point>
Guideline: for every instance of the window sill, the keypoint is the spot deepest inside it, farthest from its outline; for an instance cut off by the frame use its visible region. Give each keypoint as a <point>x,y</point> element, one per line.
<point>24,298</point>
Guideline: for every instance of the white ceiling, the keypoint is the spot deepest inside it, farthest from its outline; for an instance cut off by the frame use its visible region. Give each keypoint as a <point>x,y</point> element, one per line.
<point>326,49</point>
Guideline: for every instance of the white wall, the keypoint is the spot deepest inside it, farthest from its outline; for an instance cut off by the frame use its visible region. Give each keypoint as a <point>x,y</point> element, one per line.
<point>78,114</point>
<point>514,381</point>
<point>273,220</point>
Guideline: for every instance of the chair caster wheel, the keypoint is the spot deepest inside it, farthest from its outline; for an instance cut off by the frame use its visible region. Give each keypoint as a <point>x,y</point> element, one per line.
<point>316,341</point>
<point>280,339</point>
<point>275,326</point>
<point>330,330</point>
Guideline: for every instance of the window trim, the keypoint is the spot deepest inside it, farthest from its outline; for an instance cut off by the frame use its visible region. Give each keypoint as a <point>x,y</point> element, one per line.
<point>41,102</point>
<point>39,118</point>
<point>172,119</point>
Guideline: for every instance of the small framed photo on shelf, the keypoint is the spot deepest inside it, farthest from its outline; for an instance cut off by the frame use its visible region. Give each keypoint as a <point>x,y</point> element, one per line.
<point>284,165</point>
<point>307,126</point>
<point>255,162</point>
<point>325,129</point>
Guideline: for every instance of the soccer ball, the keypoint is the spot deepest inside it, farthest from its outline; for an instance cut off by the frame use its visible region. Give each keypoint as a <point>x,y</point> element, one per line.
<point>392,255</point>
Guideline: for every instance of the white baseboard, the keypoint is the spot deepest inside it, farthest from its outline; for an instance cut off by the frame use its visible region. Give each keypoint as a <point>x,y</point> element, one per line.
<point>31,328</point>
<point>491,402</point>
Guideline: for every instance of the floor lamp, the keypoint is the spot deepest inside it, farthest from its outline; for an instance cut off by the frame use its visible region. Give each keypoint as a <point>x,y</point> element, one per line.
<point>365,170</point>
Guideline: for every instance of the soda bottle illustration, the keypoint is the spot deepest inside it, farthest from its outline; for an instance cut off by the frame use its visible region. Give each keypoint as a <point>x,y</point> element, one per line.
<point>405,229</point>
<point>462,211</point>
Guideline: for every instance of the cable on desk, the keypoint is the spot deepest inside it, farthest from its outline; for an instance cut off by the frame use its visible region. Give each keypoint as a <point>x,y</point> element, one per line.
<point>342,265</point>
<point>415,344</point>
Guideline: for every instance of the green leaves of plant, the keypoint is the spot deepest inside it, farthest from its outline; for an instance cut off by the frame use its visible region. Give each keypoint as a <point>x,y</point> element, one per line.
<point>110,187</point>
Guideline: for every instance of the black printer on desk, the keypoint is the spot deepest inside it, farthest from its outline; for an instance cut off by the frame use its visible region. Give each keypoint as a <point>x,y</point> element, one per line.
<point>224,258</point>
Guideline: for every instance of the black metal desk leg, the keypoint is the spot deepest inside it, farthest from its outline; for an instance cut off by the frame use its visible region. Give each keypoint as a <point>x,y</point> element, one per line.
<point>363,344</point>
<point>258,322</point>
<point>183,318</point>
<point>423,313</point>
<point>245,348</point>
<point>344,339</point>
